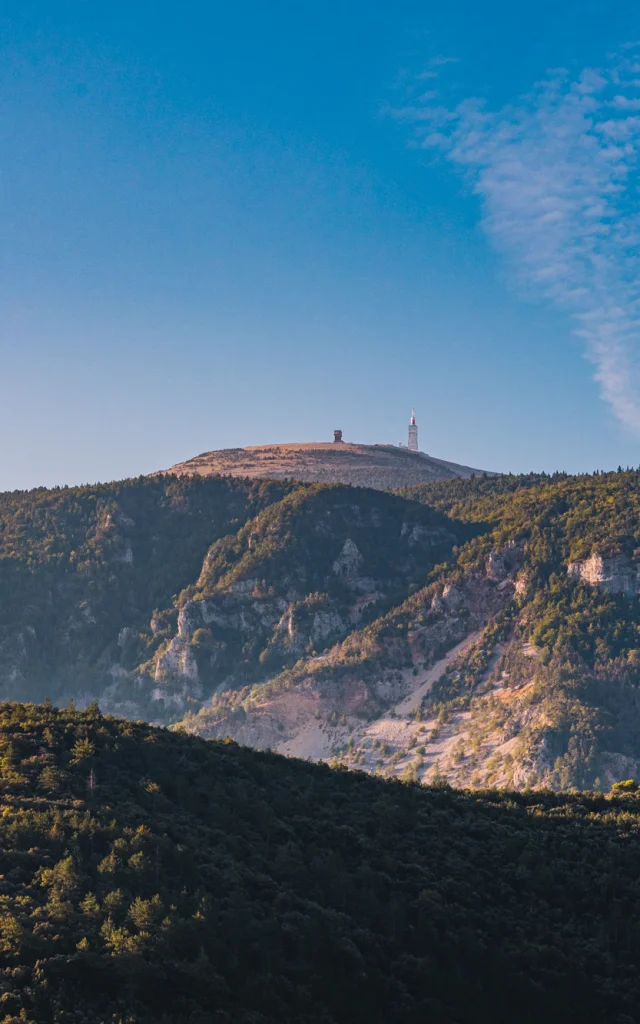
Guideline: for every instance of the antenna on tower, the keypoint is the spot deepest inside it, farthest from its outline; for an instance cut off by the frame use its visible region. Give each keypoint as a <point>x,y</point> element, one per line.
<point>413,433</point>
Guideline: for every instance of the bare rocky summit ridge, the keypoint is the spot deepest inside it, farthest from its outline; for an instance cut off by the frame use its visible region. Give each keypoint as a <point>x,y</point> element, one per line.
<point>380,466</point>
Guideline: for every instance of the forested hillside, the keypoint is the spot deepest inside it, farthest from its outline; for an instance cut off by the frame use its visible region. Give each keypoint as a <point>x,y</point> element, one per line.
<point>486,631</point>
<point>543,611</point>
<point>148,876</point>
<point>82,570</point>
<point>294,579</point>
<point>151,593</point>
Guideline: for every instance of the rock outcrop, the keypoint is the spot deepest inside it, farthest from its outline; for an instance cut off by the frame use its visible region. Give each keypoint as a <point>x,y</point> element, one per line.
<point>615,573</point>
<point>290,584</point>
<point>370,671</point>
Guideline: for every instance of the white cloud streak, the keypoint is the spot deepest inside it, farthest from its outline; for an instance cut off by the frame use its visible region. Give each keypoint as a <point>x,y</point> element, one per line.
<point>558,178</point>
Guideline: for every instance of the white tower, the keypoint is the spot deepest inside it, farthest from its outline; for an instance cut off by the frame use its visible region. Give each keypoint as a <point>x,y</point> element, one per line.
<point>413,433</point>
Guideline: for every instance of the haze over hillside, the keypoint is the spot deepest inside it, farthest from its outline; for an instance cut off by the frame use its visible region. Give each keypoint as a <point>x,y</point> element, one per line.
<point>380,466</point>
<point>516,665</point>
<point>484,630</point>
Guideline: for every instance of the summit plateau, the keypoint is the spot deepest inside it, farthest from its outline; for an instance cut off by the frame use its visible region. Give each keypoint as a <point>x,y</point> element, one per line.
<point>379,466</point>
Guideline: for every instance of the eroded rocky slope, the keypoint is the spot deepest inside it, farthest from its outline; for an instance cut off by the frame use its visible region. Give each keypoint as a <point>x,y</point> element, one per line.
<point>304,573</point>
<point>486,630</point>
<point>152,594</point>
<point>518,666</point>
<point>379,673</point>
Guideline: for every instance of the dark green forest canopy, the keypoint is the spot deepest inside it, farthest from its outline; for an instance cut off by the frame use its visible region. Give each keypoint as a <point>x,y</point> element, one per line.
<point>147,876</point>
<point>69,524</point>
<point>294,535</point>
<point>577,514</point>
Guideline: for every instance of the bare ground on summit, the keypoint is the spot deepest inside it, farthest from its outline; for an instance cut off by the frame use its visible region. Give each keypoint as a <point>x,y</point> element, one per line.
<point>379,466</point>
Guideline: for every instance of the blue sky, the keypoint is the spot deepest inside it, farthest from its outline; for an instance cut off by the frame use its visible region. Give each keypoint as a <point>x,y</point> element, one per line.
<point>228,224</point>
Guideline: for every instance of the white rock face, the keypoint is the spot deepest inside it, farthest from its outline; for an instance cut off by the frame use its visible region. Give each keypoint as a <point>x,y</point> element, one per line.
<point>325,624</point>
<point>176,675</point>
<point>189,618</point>
<point>229,612</point>
<point>125,635</point>
<point>616,574</point>
<point>495,566</point>
<point>243,587</point>
<point>347,563</point>
<point>522,584</point>
<point>416,533</point>
<point>175,697</point>
<point>177,661</point>
<point>87,614</point>
<point>451,596</point>
<point>127,555</point>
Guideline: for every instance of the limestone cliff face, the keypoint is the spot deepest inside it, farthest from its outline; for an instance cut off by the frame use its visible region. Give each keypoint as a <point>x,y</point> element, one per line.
<point>369,671</point>
<point>616,573</point>
<point>450,686</point>
<point>461,607</point>
<point>211,633</point>
<point>176,675</point>
<point>294,581</point>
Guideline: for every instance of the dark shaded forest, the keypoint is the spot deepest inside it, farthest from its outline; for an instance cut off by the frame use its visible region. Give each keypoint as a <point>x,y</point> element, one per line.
<point>148,876</point>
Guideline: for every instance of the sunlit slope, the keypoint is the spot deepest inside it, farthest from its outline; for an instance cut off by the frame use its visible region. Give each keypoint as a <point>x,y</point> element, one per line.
<point>542,610</point>
<point>379,466</point>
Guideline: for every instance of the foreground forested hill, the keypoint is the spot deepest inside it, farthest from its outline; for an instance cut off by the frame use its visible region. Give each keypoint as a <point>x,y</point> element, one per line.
<point>148,876</point>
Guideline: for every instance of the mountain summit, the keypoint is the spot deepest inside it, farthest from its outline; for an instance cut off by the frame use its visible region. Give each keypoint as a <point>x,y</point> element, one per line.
<point>380,466</point>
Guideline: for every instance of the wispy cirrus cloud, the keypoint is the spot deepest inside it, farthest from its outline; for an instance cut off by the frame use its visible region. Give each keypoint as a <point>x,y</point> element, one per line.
<point>558,177</point>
